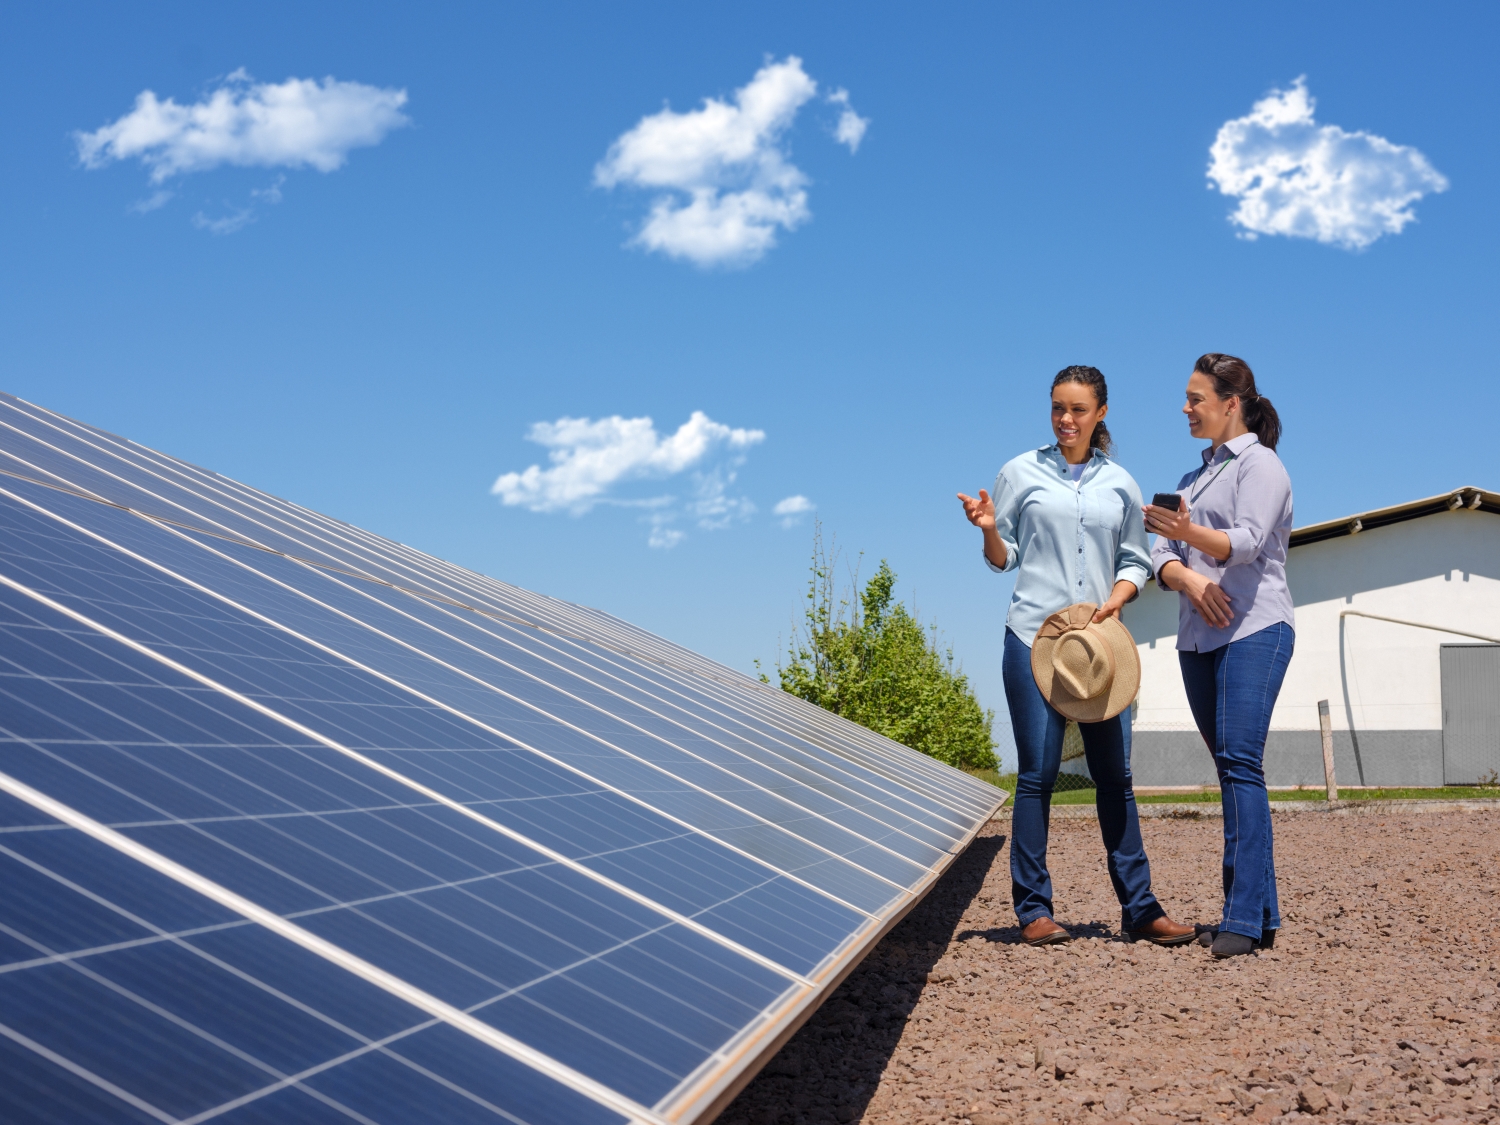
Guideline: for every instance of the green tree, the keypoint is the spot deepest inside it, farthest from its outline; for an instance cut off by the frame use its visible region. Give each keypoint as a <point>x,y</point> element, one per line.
<point>875,664</point>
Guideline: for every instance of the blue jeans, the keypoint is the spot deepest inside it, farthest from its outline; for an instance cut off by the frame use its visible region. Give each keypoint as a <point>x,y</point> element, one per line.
<point>1039,737</point>
<point>1232,691</point>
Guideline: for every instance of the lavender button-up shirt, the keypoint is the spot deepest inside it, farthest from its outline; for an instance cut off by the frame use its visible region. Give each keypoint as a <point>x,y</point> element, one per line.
<point>1241,489</point>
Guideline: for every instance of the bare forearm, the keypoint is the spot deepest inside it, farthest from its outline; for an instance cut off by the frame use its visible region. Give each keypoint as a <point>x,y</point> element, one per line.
<point>994,547</point>
<point>1214,544</point>
<point>1171,573</point>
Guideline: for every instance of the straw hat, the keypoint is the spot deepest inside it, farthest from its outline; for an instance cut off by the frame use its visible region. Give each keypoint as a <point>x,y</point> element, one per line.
<point>1088,672</point>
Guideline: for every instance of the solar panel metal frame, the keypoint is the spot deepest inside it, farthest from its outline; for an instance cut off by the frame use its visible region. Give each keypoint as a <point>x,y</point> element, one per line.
<point>86,464</point>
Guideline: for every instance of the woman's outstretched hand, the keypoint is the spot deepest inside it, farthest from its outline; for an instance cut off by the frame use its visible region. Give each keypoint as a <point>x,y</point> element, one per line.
<point>981,511</point>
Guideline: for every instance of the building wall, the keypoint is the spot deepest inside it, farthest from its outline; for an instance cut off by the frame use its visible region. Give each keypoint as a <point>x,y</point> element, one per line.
<point>1381,679</point>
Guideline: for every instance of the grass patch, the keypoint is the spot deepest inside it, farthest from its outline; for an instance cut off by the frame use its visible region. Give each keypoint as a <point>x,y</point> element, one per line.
<point>1075,790</point>
<point>1437,793</point>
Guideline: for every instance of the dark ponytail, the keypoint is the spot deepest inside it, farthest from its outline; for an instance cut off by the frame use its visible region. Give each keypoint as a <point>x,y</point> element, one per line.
<point>1232,376</point>
<point>1092,378</point>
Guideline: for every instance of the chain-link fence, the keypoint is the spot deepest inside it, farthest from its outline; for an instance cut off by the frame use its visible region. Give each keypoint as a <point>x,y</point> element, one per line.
<point>1073,775</point>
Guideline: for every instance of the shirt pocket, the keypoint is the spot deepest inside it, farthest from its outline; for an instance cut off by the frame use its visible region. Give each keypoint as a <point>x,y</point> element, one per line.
<point>1106,509</point>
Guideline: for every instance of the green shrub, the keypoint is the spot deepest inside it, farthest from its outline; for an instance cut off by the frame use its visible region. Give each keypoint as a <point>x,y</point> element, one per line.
<point>875,664</point>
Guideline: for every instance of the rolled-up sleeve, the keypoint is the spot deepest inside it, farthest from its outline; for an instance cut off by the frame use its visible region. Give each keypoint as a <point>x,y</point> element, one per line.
<point>1263,492</point>
<point>1164,551</point>
<point>1007,512</point>
<point>1133,557</point>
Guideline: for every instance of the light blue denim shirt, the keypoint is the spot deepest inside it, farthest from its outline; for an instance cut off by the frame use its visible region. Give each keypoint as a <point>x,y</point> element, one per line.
<point>1071,542</point>
<point>1243,490</point>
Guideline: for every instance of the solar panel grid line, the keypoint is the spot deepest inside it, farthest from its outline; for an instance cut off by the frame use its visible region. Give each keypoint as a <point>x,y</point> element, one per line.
<point>409,690</point>
<point>745,701</point>
<point>301,1077</point>
<point>117,448</point>
<point>187,1025</point>
<point>263,818</point>
<point>181,938</point>
<point>486,654</point>
<point>635,678</point>
<point>330,952</point>
<point>34,473</point>
<point>958,792</point>
<point>269,621</point>
<point>873,753</point>
<point>434,795</point>
<point>412,893</point>
<point>96,950</point>
<point>530,675</point>
<point>634,641</point>
<point>351,607</point>
<point>793,756</point>
<point>88,1075</point>
<point>570,630</point>
<point>708,1097</point>
<point>505,993</point>
<point>218,482</point>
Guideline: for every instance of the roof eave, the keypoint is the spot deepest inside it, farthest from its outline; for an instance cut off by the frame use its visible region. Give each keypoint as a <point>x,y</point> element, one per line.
<point>1468,498</point>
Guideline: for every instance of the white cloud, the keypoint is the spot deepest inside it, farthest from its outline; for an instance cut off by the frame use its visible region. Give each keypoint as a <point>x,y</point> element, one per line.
<point>225,224</point>
<point>297,123</point>
<point>851,127</point>
<point>726,180</point>
<point>1295,177</point>
<point>156,200</point>
<point>663,536</point>
<point>588,458</point>
<point>792,509</point>
<point>239,217</point>
<point>712,505</point>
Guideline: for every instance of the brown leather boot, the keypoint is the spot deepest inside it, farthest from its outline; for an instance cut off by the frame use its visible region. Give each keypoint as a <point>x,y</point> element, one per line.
<point>1163,931</point>
<point>1043,931</point>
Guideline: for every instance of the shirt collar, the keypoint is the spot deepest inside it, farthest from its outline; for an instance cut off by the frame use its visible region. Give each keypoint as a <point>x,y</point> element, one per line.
<point>1232,448</point>
<point>1055,450</point>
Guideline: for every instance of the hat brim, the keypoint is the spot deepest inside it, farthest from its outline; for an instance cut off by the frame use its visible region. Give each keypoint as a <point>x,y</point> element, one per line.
<point>1122,689</point>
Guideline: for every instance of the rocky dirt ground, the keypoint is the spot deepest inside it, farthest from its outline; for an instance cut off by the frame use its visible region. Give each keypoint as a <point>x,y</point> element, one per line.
<point>1377,1003</point>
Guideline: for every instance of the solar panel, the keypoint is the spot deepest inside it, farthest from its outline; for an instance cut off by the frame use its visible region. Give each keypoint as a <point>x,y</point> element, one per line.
<point>298,824</point>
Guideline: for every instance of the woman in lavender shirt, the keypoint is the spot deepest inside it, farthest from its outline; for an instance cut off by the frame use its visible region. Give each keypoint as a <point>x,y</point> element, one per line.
<point>1224,552</point>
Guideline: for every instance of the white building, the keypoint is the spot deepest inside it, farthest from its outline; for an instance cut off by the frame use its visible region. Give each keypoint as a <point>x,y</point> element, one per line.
<point>1398,619</point>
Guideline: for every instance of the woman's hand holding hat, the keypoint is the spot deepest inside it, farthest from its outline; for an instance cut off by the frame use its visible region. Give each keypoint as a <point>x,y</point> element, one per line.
<point>1121,594</point>
<point>1088,671</point>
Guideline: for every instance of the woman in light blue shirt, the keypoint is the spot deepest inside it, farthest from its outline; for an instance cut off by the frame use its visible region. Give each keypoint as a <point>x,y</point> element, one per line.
<point>1068,519</point>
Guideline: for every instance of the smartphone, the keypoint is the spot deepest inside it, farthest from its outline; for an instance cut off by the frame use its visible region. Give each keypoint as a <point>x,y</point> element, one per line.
<point>1167,500</point>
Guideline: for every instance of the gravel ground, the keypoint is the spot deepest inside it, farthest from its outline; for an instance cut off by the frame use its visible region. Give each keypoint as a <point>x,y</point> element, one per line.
<point>1377,1004</point>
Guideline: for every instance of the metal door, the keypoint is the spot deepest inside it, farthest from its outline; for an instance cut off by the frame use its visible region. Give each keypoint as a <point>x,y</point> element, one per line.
<point>1471,713</point>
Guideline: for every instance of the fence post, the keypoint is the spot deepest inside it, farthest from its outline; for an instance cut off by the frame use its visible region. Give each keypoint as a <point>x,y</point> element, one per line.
<point>1326,724</point>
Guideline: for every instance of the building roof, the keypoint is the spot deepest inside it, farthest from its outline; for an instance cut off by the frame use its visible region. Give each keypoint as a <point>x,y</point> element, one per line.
<point>1474,499</point>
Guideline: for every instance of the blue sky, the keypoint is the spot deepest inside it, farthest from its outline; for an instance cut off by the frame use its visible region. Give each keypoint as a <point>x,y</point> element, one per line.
<point>378,340</point>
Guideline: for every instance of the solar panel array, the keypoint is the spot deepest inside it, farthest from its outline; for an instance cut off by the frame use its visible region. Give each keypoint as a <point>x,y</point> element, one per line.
<point>298,824</point>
